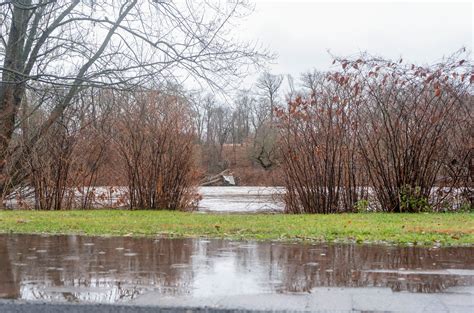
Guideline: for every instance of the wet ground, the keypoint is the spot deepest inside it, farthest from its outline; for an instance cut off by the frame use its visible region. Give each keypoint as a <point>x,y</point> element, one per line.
<point>226,274</point>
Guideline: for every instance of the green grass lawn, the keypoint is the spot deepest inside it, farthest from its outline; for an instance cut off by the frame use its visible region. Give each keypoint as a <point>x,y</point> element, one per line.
<point>421,229</point>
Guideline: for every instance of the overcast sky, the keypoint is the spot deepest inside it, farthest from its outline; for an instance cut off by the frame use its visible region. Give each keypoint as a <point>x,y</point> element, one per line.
<point>301,32</point>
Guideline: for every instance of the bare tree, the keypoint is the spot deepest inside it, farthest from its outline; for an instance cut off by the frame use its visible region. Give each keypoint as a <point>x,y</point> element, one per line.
<point>220,120</point>
<point>311,79</point>
<point>70,44</point>
<point>269,85</point>
<point>241,119</point>
<point>197,103</point>
<point>223,119</point>
<point>264,151</point>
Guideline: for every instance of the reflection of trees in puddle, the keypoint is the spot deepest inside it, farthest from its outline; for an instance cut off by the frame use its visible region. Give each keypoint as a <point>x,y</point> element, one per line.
<point>8,282</point>
<point>301,268</point>
<point>84,274</point>
<point>78,269</point>
<point>106,292</point>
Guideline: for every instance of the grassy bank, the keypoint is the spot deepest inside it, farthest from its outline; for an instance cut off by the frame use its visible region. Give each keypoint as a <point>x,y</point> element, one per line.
<point>426,229</point>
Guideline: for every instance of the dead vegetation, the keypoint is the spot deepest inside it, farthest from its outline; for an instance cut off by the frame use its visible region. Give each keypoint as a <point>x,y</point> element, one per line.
<point>395,128</point>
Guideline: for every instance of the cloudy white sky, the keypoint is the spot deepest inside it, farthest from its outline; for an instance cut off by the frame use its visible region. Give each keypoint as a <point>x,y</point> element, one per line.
<point>302,32</point>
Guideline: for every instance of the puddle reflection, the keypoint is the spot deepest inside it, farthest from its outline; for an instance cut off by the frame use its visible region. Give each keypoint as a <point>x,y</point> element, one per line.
<point>85,269</point>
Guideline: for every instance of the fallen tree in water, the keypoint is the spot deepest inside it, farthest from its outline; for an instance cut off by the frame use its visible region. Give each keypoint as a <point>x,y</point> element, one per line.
<point>224,178</point>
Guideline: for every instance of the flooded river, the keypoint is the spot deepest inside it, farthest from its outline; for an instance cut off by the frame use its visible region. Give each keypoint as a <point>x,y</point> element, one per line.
<point>232,199</point>
<point>117,270</point>
<point>241,199</point>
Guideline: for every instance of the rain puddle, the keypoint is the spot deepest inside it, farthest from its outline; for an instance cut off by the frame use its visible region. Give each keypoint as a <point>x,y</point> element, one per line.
<point>111,270</point>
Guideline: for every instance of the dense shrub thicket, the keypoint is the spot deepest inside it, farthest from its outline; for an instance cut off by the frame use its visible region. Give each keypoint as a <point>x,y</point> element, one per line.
<point>155,138</point>
<point>395,135</point>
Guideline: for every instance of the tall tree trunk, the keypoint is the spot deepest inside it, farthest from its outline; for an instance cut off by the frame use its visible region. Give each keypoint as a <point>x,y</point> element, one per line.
<point>11,86</point>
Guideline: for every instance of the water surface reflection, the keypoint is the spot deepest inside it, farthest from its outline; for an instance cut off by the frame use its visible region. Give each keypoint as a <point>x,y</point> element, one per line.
<point>78,269</point>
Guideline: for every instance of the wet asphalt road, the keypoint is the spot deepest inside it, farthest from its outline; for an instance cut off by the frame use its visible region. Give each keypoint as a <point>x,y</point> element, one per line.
<point>457,299</point>
<point>460,300</point>
<point>15,307</point>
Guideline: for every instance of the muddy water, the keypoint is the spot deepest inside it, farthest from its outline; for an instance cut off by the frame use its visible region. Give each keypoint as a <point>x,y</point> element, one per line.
<point>241,199</point>
<point>85,269</point>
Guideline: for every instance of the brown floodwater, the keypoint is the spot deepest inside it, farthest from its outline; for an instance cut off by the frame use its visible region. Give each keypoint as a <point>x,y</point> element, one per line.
<point>91,269</point>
